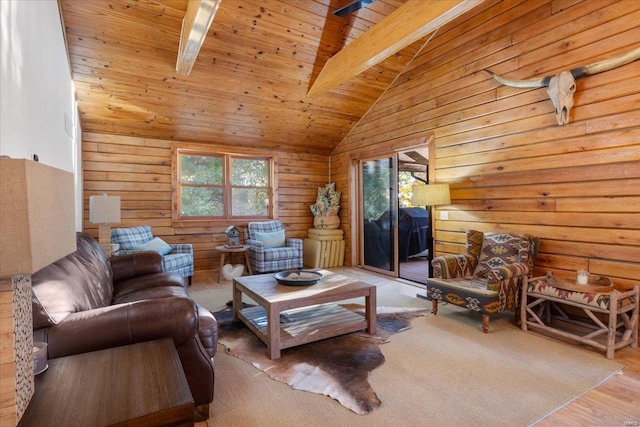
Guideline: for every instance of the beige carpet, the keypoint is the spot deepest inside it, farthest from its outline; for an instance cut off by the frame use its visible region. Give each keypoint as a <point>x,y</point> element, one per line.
<point>443,372</point>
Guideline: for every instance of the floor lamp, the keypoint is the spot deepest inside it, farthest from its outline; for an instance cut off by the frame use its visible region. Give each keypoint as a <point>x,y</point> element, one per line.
<point>37,227</point>
<point>430,195</point>
<point>104,210</point>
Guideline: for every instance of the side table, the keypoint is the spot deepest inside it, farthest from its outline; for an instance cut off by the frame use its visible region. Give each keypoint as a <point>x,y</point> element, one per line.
<point>613,314</point>
<point>133,385</point>
<point>226,250</point>
<point>324,248</point>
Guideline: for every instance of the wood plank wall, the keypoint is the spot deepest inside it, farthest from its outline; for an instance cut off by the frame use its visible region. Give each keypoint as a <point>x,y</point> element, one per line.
<point>139,171</point>
<point>510,166</point>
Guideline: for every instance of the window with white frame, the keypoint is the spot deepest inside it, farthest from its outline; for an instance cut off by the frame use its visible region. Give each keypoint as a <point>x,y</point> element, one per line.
<point>222,186</point>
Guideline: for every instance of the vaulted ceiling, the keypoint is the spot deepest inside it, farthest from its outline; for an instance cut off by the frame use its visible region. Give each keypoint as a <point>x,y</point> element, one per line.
<point>248,86</point>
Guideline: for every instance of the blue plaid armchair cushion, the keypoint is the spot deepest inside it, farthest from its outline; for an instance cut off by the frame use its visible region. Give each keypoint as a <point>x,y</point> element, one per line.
<point>133,239</point>
<point>264,259</point>
<point>271,240</point>
<point>156,244</point>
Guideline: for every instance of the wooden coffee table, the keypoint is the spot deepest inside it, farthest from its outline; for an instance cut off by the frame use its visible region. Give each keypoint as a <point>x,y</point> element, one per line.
<point>287,316</point>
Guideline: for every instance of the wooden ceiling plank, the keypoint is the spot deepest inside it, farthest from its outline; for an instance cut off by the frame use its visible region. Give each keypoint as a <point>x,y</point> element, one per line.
<point>120,13</point>
<point>250,84</point>
<point>408,24</point>
<point>116,103</point>
<point>203,136</point>
<point>202,98</point>
<point>195,26</point>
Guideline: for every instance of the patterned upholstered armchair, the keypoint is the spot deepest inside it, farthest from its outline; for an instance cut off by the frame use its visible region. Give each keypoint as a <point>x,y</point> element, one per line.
<point>488,278</point>
<point>176,258</point>
<point>269,249</point>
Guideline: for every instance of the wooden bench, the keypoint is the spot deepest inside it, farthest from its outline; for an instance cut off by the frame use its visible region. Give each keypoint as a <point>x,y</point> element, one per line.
<point>612,315</point>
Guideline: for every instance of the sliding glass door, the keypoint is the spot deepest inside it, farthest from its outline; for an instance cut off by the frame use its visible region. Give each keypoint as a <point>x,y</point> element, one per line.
<point>378,214</point>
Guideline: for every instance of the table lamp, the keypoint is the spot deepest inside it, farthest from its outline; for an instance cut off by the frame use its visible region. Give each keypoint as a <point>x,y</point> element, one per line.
<point>37,227</point>
<point>104,210</point>
<point>430,195</point>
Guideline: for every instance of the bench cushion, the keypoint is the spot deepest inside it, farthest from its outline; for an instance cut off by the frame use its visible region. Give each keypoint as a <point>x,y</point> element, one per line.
<point>465,292</point>
<point>591,299</point>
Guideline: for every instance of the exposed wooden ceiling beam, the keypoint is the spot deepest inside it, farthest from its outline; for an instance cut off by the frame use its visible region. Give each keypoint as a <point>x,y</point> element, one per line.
<point>195,26</point>
<point>418,157</point>
<point>407,24</point>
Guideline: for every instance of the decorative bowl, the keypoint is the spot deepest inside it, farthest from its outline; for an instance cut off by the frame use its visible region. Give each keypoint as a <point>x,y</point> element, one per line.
<point>298,278</point>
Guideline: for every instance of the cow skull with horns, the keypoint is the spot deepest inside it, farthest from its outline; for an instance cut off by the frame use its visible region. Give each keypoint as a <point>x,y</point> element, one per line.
<point>562,86</point>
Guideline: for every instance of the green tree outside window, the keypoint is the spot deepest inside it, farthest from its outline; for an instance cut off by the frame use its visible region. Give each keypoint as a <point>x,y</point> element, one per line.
<point>206,186</point>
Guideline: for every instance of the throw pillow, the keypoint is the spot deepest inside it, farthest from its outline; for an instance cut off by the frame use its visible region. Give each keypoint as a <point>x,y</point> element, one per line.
<point>274,239</point>
<point>156,244</point>
<point>498,249</point>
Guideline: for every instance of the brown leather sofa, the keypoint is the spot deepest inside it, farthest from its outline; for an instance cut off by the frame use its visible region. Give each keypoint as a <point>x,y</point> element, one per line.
<point>86,302</point>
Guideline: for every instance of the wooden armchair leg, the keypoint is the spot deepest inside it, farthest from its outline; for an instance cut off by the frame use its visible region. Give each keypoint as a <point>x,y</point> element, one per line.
<point>485,323</point>
<point>434,306</point>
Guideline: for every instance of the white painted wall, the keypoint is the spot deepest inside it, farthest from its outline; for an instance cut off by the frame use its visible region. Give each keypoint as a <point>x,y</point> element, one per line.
<point>38,112</point>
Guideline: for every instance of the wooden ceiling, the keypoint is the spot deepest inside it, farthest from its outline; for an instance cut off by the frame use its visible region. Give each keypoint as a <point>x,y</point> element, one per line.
<point>248,86</point>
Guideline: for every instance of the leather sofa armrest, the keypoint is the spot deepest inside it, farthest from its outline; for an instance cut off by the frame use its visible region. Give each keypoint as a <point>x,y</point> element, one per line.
<point>208,331</point>
<point>124,324</point>
<point>135,264</point>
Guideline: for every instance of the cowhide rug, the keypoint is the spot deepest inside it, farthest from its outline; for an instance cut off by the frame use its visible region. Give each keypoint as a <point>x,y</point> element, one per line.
<point>336,367</point>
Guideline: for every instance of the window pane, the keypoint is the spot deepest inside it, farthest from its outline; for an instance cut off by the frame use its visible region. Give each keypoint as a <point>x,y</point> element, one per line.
<point>250,202</point>
<point>202,201</point>
<point>249,172</point>
<point>201,170</point>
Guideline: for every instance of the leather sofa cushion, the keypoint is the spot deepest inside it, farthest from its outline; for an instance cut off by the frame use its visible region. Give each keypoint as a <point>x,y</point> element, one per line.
<point>156,285</point>
<point>135,265</point>
<point>80,281</point>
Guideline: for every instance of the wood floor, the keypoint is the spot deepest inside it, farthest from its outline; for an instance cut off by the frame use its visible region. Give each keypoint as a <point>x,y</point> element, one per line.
<point>415,269</point>
<point>615,402</point>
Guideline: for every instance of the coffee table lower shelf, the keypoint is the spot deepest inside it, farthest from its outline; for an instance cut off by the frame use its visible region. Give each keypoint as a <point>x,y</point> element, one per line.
<point>305,325</point>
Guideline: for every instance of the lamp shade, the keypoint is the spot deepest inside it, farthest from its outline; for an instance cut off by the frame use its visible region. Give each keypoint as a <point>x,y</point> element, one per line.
<point>104,209</point>
<point>37,216</point>
<point>430,195</point>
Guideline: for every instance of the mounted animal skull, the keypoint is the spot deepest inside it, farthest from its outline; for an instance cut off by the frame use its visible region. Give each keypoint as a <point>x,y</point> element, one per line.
<point>562,86</point>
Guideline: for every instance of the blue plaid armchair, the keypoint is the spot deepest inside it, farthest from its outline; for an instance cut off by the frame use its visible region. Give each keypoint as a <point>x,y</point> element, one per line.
<point>269,249</point>
<point>176,258</point>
